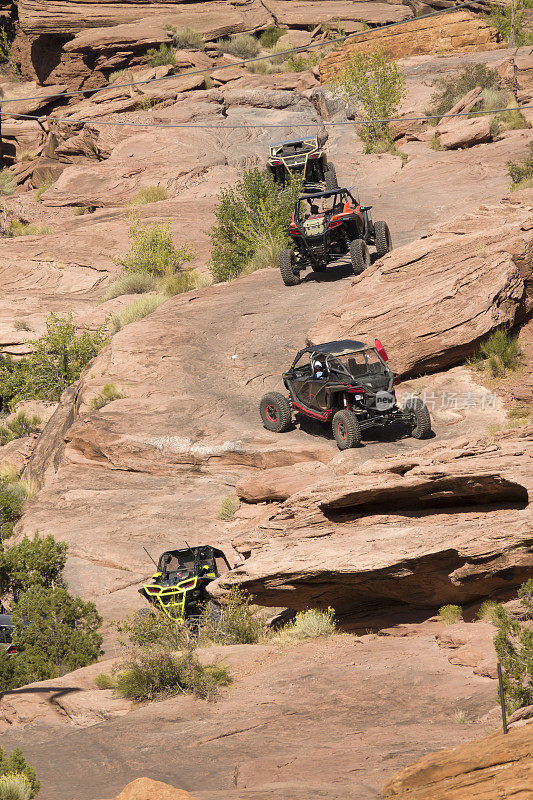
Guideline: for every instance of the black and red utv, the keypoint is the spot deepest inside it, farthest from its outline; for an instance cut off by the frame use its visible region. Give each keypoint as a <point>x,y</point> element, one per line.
<point>327,226</point>
<point>348,384</point>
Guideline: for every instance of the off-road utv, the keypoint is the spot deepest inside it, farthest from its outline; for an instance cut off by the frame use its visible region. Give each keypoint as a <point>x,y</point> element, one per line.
<point>347,383</point>
<point>6,633</point>
<point>179,586</point>
<point>326,226</point>
<point>302,156</point>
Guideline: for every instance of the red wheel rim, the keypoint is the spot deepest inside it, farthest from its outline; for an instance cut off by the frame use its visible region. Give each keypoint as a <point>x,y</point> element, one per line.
<point>272,413</point>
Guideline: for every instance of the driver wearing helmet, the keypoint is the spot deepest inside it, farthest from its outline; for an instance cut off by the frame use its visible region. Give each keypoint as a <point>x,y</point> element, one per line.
<point>320,370</point>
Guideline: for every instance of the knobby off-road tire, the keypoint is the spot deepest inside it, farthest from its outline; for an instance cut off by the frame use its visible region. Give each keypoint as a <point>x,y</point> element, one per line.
<point>346,429</point>
<point>286,267</point>
<point>359,255</point>
<point>382,238</point>
<point>419,410</point>
<point>275,412</point>
<point>330,178</point>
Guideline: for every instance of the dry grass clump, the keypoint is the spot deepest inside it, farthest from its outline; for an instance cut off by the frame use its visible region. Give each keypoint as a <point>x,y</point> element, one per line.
<point>8,183</point>
<point>188,39</point>
<point>149,194</point>
<point>20,228</point>
<point>108,393</point>
<point>132,283</point>
<point>136,311</point>
<point>228,507</point>
<point>242,46</point>
<point>104,681</point>
<point>450,614</point>
<point>312,624</point>
<point>500,353</point>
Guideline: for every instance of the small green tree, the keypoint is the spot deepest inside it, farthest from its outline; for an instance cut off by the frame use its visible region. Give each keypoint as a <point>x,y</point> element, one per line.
<point>521,173</point>
<point>514,647</point>
<point>11,505</point>
<point>153,251</point>
<point>30,563</point>
<point>508,19</point>
<point>373,81</point>
<point>16,764</point>
<point>247,214</point>
<point>55,633</point>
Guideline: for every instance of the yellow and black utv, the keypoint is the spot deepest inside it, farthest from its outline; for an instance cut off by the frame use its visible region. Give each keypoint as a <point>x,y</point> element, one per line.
<point>178,587</point>
<point>305,157</point>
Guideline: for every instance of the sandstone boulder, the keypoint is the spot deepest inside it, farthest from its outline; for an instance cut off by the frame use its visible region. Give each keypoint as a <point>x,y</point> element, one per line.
<point>148,789</point>
<point>486,769</point>
<point>432,301</point>
<point>457,31</point>
<point>464,132</point>
<point>302,13</point>
<point>383,534</point>
<point>280,483</point>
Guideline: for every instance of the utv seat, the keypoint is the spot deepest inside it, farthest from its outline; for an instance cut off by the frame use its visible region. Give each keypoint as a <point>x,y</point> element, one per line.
<point>355,369</point>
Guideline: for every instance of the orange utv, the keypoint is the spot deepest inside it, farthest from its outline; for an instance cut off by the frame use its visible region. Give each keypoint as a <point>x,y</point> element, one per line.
<point>327,226</point>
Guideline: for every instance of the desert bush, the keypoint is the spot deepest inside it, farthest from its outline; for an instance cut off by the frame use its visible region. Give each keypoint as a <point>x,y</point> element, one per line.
<point>449,90</point>
<point>268,249</point>
<point>153,251</point>
<point>521,174</point>
<point>188,39</point>
<point>374,82</point>
<point>149,194</point>
<point>11,505</point>
<point>18,426</point>
<point>500,353</point>
<point>266,67</point>
<point>8,183</point>
<point>20,228</point>
<point>108,393</point>
<point>62,634</point>
<point>56,361</point>
<point>228,507</point>
<point>153,675</point>
<point>270,36</point>
<point>310,624</point>
<point>514,648</point>
<point>16,764</point>
<point>43,187</point>
<point>183,281</point>
<point>511,30</point>
<point>104,681</point>
<point>137,310</point>
<point>21,325</point>
<point>15,786</point>
<point>132,283</point>
<point>486,611</point>
<point>450,614</point>
<point>297,62</point>
<point>234,621</point>
<point>157,57</point>
<point>149,628</point>
<point>29,564</point>
<point>118,75</point>
<point>247,213</point>
<point>242,46</point>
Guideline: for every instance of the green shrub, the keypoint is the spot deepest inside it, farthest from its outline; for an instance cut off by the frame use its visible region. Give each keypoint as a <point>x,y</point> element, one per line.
<point>228,507</point>
<point>103,681</point>
<point>107,395</point>
<point>148,628</point>
<point>270,36</point>
<point>154,675</point>
<point>266,256</point>
<point>19,228</point>
<point>310,624</point>
<point>242,46</point>
<point>15,786</point>
<point>450,614</point>
<point>32,563</point>
<point>118,75</point>
<point>132,283</point>
<point>246,214</point>
<point>62,634</point>
<point>521,174</point>
<point>8,182</point>
<point>451,89</point>
<point>43,187</point>
<point>500,17</point>
<point>57,360</point>
<point>153,251</point>
<point>374,82</point>
<point>502,353</point>
<point>18,426</point>
<point>299,63</point>
<point>235,622</point>
<point>157,57</point>
<point>136,311</point>
<point>486,611</point>
<point>188,39</point>
<point>514,648</point>
<point>16,764</point>
<point>11,505</point>
<point>183,281</point>
<point>149,194</point>
<point>266,67</point>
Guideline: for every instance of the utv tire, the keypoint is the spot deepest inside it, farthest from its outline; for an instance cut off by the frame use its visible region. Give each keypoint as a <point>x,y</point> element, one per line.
<point>382,239</point>
<point>360,255</point>
<point>275,412</point>
<point>330,178</point>
<point>346,429</point>
<point>286,267</point>
<point>419,410</point>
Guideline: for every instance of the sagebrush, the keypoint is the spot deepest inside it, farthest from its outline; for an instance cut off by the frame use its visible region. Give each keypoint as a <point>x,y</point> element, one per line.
<point>521,173</point>
<point>450,614</point>
<point>514,647</point>
<point>243,46</point>
<point>16,764</point>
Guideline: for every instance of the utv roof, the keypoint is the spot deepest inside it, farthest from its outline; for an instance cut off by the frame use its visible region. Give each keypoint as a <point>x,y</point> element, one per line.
<point>339,348</point>
<point>294,141</point>
<point>322,194</point>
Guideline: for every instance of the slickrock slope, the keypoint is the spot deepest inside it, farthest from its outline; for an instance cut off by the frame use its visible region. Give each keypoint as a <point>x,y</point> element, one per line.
<point>147,789</point>
<point>434,300</point>
<point>486,769</point>
<point>447,524</point>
